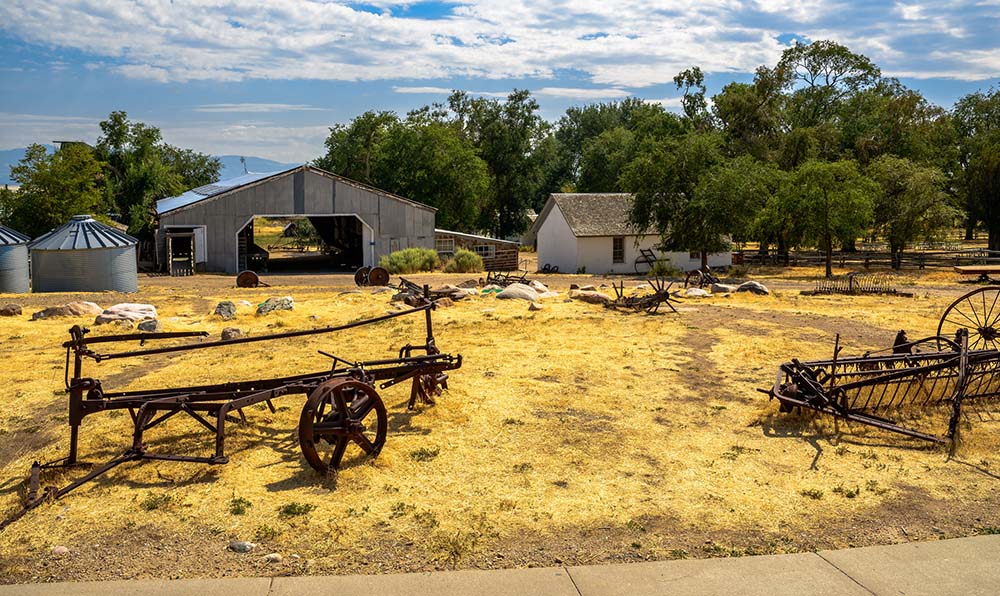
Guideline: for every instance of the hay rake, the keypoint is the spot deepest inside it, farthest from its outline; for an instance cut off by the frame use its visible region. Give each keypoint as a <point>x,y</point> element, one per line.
<point>342,407</point>
<point>639,302</point>
<point>856,283</point>
<point>903,389</point>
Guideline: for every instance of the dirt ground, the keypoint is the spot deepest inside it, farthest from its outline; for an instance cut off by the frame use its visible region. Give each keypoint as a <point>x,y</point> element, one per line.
<point>571,435</point>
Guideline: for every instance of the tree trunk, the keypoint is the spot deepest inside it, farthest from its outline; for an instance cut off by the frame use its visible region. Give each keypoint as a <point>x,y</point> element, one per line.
<point>829,257</point>
<point>704,261</point>
<point>783,250</point>
<point>970,228</point>
<point>994,238</point>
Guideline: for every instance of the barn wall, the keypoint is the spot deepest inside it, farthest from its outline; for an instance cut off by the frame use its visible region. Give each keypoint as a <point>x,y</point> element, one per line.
<point>394,222</point>
<point>556,243</point>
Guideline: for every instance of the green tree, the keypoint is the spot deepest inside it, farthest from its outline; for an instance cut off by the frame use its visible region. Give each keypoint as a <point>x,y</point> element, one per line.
<point>829,200</point>
<point>663,179</point>
<point>354,150</point>
<point>53,188</point>
<point>750,115</point>
<point>693,102</point>
<point>977,120</point>
<point>604,158</point>
<point>911,203</point>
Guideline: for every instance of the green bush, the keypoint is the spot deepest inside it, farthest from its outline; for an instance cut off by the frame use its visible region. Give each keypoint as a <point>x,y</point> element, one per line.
<point>464,261</point>
<point>410,260</point>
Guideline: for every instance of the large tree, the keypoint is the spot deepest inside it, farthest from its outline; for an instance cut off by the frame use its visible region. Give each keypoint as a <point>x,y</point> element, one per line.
<point>911,203</point>
<point>353,150</point>
<point>977,118</point>
<point>53,188</point>
<point>829,201</point>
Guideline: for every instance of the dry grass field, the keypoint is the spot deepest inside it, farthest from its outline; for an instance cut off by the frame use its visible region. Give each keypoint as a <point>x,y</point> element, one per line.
<point>571,435</point>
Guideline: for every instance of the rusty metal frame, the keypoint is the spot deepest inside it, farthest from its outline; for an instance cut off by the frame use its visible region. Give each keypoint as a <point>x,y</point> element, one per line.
<point>646,302</point>
<point>212,406</point>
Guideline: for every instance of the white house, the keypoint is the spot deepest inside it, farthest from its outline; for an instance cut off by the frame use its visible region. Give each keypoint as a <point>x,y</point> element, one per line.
<point>591,233</point>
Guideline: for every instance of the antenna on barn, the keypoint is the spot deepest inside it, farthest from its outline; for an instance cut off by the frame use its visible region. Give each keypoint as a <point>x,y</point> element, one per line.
<point>243,161</point>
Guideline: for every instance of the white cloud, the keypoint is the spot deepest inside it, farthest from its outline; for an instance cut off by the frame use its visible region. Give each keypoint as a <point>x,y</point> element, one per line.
<point>576,93</point>
<point>255,108</point>
<point>424,90</point>
<point>21,130</point>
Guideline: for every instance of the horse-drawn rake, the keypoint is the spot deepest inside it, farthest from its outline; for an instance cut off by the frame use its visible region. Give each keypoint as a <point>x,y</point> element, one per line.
<point>342,408</point>
<point>643,302</point>
<point>902,389</point>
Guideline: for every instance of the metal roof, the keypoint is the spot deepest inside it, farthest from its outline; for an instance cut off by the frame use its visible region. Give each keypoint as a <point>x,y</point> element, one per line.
<point>82,232</point>
<point>210,190</point>
<point>472,236</point>
<point>9,237</point>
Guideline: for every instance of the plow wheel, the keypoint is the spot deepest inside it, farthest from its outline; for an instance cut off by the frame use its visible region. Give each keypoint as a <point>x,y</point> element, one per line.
<point>340,412</point>
<point>979,312</point>
<point>361,276</point>
<point>378,277</point>
<point>694,279</point>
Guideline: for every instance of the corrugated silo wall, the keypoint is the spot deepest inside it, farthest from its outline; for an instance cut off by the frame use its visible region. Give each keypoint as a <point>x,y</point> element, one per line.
<point>89,270</point>
<point>394,223</point>
<point>14,269</point>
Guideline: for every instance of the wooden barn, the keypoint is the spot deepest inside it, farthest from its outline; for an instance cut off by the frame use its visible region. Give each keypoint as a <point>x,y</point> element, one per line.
<point>211,228</point>
<point>498,255</point>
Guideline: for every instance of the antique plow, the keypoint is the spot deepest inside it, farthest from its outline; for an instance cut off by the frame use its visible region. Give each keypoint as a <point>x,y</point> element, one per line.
<point>902,389</point>
<point>639,302</point>
<point>342,407</point>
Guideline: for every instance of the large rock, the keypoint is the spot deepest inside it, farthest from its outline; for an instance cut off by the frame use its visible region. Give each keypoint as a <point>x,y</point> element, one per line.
<point>73,309</point>
<point>538,286</point>
<point>444,302</point>
<point>10,310</point>
<point>695,293</point>
<point>590,296</point>
<point>273,304</point>
<point>534,306</point>
<point>753,286</point>
<point>469,283</point>
<point>723,288</point>
<point>126,311</point>
<point>150,326</point>
<point>241,546</point>
<point>520,292</point>
<point>232,333</point>
<point>226,310</point>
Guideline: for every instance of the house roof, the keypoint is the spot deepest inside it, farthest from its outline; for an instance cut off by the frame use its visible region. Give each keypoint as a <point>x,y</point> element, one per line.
<point>222,187</point>
<point>591,214</point>
<point>82,232</point>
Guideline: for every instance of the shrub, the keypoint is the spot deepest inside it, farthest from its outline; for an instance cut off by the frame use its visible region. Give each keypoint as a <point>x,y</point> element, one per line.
<point>464,261</point>
<point>295,508</point>
<point>410,260</point>
<point>239,506</point>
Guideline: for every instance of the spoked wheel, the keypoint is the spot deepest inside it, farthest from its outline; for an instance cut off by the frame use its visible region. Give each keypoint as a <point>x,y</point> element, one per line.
<point>361,276</point>
<point>693,279</point>
<point>378,277</point>
<point>340,412</point>
<point>247,279</point>
<point>979,312</point>
<point>642,266</point>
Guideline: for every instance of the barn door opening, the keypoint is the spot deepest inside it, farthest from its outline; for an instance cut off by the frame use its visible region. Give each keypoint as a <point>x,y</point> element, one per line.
<point>308,244</point>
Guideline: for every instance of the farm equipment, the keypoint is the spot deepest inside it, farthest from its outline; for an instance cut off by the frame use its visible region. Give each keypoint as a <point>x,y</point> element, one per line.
<point>645,262</point>
<point>699,278</point>
<point>342,407</point>
<point>856,283</point>
<point>371,276</point>
<point>250,279</point>
<point>505,278</point>
<point>916,388</point>
<point>647,302</point>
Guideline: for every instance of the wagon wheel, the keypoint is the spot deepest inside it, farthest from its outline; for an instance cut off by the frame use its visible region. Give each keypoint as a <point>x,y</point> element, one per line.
<point>361,276</point>
<point>340,412</point>
<point>694,279</point>
<point>979,312</point>
<point>642,265</point>
<point>378,277</point>
<point>247,279</point>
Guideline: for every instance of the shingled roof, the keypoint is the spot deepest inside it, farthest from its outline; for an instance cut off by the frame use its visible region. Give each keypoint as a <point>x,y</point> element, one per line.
<point>591,214</point>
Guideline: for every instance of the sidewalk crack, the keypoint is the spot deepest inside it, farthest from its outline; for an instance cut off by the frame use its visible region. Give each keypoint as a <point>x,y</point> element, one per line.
<point>270,586</point>
<point>570,576</point>
<point>847,575</point>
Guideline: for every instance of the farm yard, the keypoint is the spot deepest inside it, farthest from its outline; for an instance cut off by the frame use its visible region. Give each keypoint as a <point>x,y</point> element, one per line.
<point>570,435</point>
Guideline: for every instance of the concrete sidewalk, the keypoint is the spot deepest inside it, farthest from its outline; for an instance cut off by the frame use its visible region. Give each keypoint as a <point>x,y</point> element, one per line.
<point>963,566</point>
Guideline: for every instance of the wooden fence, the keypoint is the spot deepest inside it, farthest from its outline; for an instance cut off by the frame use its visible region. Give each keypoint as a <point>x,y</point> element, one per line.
<point>877,259</point>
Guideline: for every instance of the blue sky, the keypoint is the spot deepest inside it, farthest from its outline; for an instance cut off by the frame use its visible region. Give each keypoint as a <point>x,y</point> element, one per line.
<point>268,77</point>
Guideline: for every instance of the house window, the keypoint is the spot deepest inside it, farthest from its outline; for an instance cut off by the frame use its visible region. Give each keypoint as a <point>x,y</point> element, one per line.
<point>444,245</point>
<point>487,251</point>
<point>618,249</point>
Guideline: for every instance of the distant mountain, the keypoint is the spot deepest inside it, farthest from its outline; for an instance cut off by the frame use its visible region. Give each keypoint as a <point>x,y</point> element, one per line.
<point>231,166</point>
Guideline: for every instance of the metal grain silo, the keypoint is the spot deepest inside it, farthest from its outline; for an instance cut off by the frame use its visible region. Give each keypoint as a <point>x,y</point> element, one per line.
<point>84,256</point>
<point>13,261</point>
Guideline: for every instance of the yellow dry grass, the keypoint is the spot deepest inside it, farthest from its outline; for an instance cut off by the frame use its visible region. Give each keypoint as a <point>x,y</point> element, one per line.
<point>572,416</point>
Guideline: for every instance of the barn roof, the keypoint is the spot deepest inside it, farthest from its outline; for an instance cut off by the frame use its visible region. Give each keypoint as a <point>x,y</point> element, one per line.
<point>591,214</point>
<point>209,191</point>
<point>82,232</point>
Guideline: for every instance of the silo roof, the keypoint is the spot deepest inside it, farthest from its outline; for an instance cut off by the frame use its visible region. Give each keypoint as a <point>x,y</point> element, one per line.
<point>80,233</point>
<point>10,237</point>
